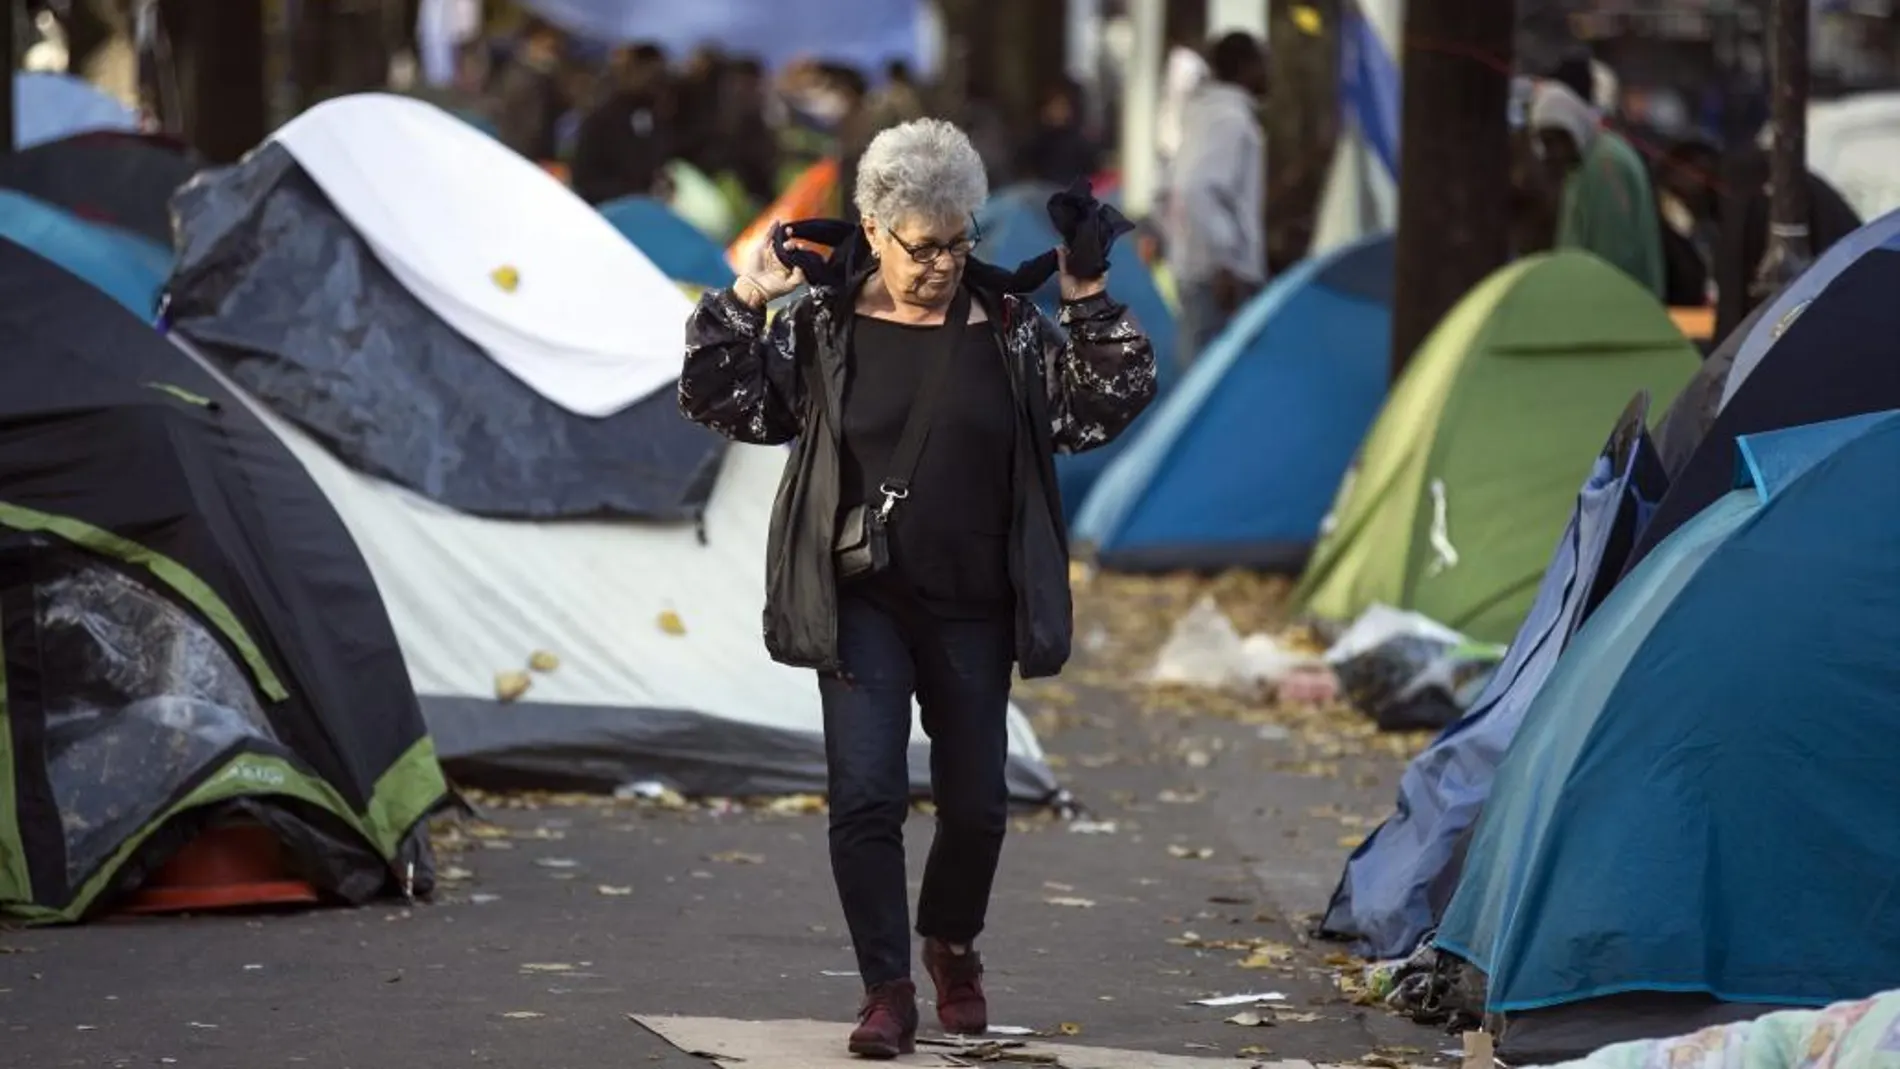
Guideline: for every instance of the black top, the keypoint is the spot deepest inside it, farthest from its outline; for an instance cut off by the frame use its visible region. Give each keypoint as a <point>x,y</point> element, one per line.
<point>950,537</point>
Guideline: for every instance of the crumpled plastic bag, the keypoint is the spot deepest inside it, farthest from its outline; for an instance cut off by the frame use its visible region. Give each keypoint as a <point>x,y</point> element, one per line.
<point>1205,650</point>
<point>1407,671</point>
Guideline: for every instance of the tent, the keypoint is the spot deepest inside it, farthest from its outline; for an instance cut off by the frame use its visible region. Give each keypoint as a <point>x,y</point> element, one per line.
<point>865,33</point>
<point>1821,350</point>
<point>125,180</point>
<point>1697,816</point>
<point>1015,227</point>
<point>1237,465</point>
<point>497,249</point>
<point>48,106</point>
<point>280,291</point>
<point>1397,883</point>
<point>187,632</point>
<point>706,710</point>
<point>126,267</point>
<point>1463,484</point>
<point>674,245</point>
<point>1360,196</point>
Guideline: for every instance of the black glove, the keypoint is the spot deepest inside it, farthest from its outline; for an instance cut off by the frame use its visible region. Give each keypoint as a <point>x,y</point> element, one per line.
<point>1088,228</point>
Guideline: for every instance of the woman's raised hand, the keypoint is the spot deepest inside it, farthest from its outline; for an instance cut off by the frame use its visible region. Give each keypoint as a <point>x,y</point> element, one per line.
<point>768,278</point>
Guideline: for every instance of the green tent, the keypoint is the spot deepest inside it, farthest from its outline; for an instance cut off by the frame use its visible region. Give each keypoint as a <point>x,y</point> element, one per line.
<point>1466,480</point>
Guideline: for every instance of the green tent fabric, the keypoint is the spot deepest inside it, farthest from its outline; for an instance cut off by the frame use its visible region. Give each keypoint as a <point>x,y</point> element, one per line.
<point>1468,476</point>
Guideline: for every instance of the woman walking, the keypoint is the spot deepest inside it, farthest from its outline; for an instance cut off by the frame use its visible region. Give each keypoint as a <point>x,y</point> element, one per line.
<point>917,545</point>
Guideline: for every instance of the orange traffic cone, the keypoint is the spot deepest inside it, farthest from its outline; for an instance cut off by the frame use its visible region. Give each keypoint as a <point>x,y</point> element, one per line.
<point>235,867</point>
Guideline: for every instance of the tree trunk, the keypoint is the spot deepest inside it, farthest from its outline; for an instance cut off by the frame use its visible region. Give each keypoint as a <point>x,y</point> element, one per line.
<point>1788,252</point>
<point>1454,160</point>
<point>1302,122</point>
<point>218,53</point>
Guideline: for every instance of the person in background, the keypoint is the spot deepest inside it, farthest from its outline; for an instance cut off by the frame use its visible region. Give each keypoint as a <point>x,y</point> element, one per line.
<point>1059,150</point>
<point>1605,202</point>
<point>529,99</point>
<point>696,101</point>
<point>899,101</point>
<point>857,124</point>
<point>1685,201</point>
<point>1216,204</point>
<point>626,140</point>
<point>977,579</point>
<point>750,143</point>
<point>1186,70</point>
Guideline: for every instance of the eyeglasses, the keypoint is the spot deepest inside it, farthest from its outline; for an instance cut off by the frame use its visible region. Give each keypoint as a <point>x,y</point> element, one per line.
<point>928,252</point>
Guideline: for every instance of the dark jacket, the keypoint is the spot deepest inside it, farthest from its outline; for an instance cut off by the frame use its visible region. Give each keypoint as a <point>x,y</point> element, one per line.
<point>1743,233</point>
<point>1077,386</point>
<point>622,148</point>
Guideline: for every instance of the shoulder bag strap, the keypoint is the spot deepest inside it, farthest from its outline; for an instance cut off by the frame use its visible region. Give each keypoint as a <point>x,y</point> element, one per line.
<point>910,446</point>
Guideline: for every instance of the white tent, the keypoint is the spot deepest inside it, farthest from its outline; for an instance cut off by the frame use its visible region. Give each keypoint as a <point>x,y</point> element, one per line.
<point>704,710</point>
<point>497,249</point>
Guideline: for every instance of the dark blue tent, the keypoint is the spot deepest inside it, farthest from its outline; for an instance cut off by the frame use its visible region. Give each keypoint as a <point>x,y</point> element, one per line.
<point>124,266</point>
<point>1823,349</point>
<point>1398,881</point>
<point>1015,227</point>
<point>1237,466</point>
<point>674,245</point>
<point>1699,807</point>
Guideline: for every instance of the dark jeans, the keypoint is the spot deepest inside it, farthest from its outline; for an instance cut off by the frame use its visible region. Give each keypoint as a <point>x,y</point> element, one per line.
<point>959,671</point>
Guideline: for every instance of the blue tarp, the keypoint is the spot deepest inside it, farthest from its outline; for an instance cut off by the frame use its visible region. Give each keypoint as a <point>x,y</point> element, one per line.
<point>48,106</point>
<point>1397,882</point>
<point>126,267</point>
<point>1015,226</point>
<point>674,245</point>
<point>1237,466</point>
<point>868,33</point>
<point>1369,86</point>
<point>1701,798</point>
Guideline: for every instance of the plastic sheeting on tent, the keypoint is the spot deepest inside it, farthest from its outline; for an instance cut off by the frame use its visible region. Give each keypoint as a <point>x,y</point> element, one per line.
<point>497,249</point>
<point>1360,196</point>
<point>1822,350</point>
<point>1397,883</point>
<point>1701,798</point>
<point>278,288</point>
<point>866,33</point>
<point>49,106</point>
<point>189,633</point>
<point>1238,464</point>
<point>706,711</point>
<point>1015,227</point>
<point>125,180</point>
<point>1467,476</point>
<point>122,265</point>
<point>674,245</point>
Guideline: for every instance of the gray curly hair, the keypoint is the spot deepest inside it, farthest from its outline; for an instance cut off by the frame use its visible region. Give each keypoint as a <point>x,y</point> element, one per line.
<point>924,170</point>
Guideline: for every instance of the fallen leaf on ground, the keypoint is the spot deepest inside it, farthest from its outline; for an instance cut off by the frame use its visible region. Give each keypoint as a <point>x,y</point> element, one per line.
<point>1253,1052</point>
<point>487,831</point>
<point>1069,1028</point>
<point>547,966</point>
<point>1078,903</point>
<point>1267,955</point>
<point>1093,827</point>
<point>614,892</point>
<point>1351,842</point>
<point>543,661</point>
<point>671,623</point>
<point>1052,885</point>
<point>557,863</point>
<point>1250,1019</point>
<point>523,1015</point>
<point>736,857</point>
<point>1196,853</point>
<point>453,874</point>
<point>1296,1018</point>
<point>1174,797</point>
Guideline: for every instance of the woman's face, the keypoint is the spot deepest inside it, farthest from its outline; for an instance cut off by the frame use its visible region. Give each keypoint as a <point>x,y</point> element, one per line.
<point>921,262</point>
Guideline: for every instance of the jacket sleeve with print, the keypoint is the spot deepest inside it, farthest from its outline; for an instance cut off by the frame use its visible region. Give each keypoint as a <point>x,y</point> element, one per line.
<point>741,379</point>
<point>1098,371</point>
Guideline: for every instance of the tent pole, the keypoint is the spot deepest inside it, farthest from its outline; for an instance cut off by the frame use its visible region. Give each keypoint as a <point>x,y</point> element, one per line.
<point>1788,252</point>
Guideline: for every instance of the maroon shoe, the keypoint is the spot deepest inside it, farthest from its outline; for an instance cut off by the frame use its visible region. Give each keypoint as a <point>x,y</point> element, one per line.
<point>887,1025</point>
<point>961,1007</point>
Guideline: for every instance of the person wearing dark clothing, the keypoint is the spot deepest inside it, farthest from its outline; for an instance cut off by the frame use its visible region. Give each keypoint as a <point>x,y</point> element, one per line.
<point>696,109</point>
<point>750,144</point>
<point>625,141</point>
<point>529,99</point>
<point>1742,231</point>
<point>857,125</point>
<point>1060,150</point>
<point>975,581</point>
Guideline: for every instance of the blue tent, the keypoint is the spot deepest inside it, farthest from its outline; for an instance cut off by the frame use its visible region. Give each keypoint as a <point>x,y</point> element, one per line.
<point>674,245</point>
<point>1700,802</point>
<point>1822,350</point>
<point>866,33</point>
<point>1015,227</point>
<point>1397,882</point>
<point>1237,466</point>
<point>126,267</point>
<point>49,106</point>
